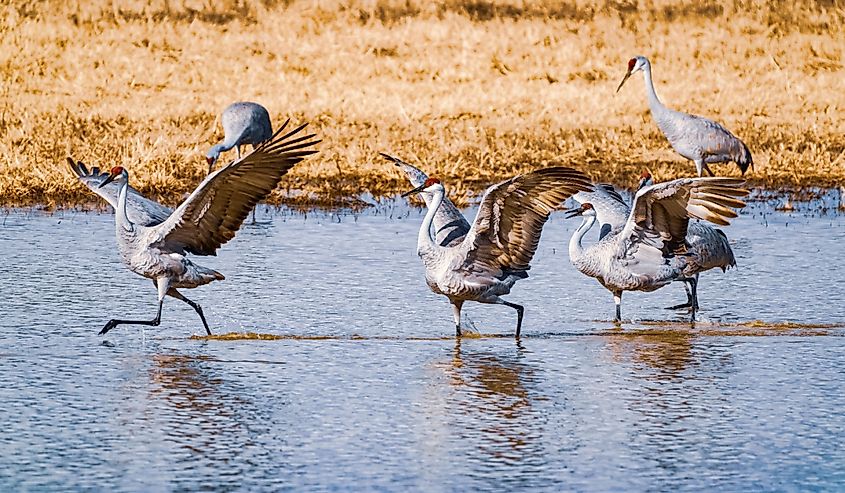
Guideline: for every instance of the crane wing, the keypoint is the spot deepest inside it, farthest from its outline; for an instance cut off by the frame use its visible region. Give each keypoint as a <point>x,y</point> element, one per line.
<point>506,231</point>
<point>139,209</point>
<point>450,226</point>
<point>212,214</point>
<point>660,213</point>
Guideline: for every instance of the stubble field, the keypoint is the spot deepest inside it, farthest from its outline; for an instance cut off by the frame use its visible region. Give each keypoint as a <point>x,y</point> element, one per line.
<point>472,91</point>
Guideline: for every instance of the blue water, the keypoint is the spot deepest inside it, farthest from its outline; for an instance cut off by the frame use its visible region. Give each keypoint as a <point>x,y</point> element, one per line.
<point>368,390</point>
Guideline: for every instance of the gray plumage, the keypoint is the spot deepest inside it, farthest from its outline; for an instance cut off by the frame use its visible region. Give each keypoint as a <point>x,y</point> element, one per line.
<point>498,248</point>
<point>155,247</point>
<point>650,250</point>
<point>450,225</point>
<point>243,123</point>
<point>696,138</point>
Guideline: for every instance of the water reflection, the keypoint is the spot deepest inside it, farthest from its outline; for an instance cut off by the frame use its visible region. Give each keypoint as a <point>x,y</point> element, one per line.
<point>679,415</point>
<point>203,412</point>
<point>491,405</point>
<point>658,354</point>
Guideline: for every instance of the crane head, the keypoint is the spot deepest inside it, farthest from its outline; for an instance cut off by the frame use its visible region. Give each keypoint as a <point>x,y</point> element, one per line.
<point>429,183</point>
<point>634,64</point>
<point>115,172</point>
<point>586,209</point>
<point>645,179</point>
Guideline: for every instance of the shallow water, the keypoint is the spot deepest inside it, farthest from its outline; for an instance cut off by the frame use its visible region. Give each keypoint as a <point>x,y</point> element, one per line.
<point>361,386</point>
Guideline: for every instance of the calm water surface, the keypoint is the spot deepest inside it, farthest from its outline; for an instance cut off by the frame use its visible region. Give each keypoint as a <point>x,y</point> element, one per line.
<point>367,391</point>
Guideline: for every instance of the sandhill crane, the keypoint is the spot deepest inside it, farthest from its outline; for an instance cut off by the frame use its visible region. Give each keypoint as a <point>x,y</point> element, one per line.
<point>707,244</point>
<point>698,139</point>
<point>709,247</point>
<point>243,123</point>
<point>650,251</point>
<point>501,242</point>
<point>450,226</point>
<point>153,242</point>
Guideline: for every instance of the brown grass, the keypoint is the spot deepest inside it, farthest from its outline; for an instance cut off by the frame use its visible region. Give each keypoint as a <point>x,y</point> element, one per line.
<point>471,90</point>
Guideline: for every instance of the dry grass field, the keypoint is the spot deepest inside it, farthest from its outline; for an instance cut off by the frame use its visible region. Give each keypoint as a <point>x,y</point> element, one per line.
<point>471,90</point>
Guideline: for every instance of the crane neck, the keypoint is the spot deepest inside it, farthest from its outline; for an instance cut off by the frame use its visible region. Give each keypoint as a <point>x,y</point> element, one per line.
<point>121,218</point>
<point>653,101</point>
<point>221,147</point>
<point>424,241</point>
<point>575,247</point>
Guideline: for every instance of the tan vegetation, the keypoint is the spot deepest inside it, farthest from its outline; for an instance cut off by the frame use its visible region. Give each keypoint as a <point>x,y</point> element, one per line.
<point>471,90</point>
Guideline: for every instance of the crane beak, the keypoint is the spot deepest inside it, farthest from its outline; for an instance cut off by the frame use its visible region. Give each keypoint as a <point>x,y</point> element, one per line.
<point>416,190</point>
<point>628,74</point>
<point>573,213</point>
<point>107,181</point>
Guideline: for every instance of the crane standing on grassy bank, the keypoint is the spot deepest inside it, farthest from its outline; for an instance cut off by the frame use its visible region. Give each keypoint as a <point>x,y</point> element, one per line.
<point>698,139</point>
<point>153,242</point>
<point>497,249</point>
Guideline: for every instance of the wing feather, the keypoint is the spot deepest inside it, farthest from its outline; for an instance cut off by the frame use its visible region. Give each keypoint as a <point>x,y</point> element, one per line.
<point>450,225</point>
<point>214,212</point>
<point>664,210</point>
<point>506,231</point>
<point>139,209</point>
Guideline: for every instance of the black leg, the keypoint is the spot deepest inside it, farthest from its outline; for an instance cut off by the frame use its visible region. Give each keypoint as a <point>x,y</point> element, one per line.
<point>687,283</point>
<point>114,323</point>
<point>519,312</point>
<point>694,288</point>
<point>707,169</point>
<point>179,296</point>
<point>695,294</point>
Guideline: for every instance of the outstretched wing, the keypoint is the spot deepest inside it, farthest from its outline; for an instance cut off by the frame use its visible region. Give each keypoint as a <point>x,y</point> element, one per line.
<point>511,216</point>
<point>660,213</point>
<point>212,214</point>
<point>611,209</point>
<point>450,226</point>
<point>139,209</point>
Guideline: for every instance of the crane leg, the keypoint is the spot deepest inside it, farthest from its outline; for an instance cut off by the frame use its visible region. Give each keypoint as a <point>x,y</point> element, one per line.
<point>115,322</point>
<point>694,304</point>
<point>691,287</point>
<point>617,299</point>
<point>456,312</point>
<point>196,306</point>
<point>689,302</point>
<point>707,169</point>
<point>520,310</point>
<point>695,294</point>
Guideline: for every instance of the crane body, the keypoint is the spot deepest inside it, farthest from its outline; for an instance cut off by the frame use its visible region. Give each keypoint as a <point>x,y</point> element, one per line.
<point>154,242</point>
<point>696,138</point>
<point>650,250</point>
<point>497,249</point>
